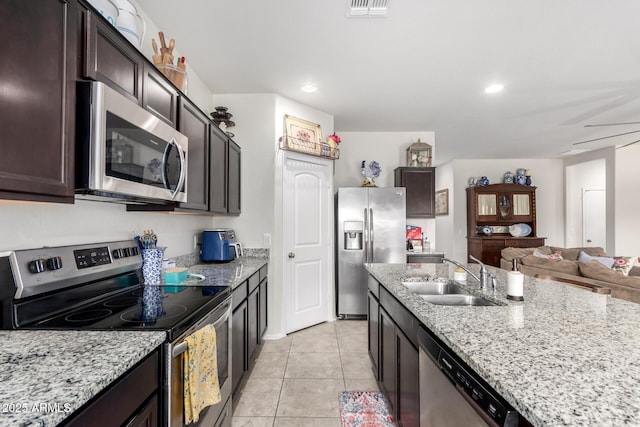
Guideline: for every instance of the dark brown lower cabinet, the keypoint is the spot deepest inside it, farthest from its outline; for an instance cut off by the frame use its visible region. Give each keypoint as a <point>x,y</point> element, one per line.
<point>489,249</point>
<point>373,329</point>
<point>148,415</point>
<point>239,328</point>
<point>398,362</point>
<point>262,309</point>
<point>132,400</point>
<point>252,324</point>
<point>388,361</point>
<point>248,324</point>
<point>408,411</point>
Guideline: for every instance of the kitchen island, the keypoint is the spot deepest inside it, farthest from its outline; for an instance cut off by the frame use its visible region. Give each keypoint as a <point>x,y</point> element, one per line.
<point>48,375</point>
<point>563,357</point>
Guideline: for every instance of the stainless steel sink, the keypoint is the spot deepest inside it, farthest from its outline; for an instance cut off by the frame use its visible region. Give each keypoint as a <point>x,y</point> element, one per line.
<point>457,299</point>
<point>432,287</point>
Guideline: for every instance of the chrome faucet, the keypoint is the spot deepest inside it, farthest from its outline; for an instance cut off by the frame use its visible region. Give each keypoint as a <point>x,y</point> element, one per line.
<point>485,276</point>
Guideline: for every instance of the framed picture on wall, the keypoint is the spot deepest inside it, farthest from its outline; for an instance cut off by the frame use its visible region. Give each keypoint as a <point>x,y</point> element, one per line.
<point>303,135</point>
<point>442,202</point>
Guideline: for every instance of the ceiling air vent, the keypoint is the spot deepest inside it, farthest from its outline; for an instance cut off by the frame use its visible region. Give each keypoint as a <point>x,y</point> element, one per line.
<point>367,8</point>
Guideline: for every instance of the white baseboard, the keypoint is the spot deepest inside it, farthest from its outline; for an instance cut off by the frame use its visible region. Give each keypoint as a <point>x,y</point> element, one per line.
<point>273,336</point>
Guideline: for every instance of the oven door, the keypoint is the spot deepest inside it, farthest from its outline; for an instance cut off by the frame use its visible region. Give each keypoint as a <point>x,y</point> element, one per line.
<point>129,151</point>
<point>221,320</point>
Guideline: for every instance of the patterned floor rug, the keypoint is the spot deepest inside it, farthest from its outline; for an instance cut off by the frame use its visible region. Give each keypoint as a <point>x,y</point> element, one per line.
<point>364,409</point>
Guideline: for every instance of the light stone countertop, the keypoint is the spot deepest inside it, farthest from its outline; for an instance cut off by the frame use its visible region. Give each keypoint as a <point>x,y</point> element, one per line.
<point>47,375</point>
<point>563,357</point>
<point>231,273</point>
<point>65,369</point>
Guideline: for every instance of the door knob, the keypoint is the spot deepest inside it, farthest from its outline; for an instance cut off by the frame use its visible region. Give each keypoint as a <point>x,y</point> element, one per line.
<point>292,255</point>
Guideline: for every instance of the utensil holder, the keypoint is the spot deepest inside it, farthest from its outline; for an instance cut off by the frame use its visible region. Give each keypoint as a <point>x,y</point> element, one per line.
<point>152,265</point>
<point>177,75</point>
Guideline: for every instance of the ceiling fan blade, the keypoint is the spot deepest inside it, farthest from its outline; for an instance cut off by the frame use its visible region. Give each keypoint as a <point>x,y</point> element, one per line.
<point>612,124</point>
<point>626,145</point>
<point>606,137</point>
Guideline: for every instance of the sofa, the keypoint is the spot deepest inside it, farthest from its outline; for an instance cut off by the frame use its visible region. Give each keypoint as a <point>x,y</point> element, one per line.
<point>588,267</point>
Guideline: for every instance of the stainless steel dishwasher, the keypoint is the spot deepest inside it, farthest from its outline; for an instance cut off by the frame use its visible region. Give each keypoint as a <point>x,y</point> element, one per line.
<point>452,395</point>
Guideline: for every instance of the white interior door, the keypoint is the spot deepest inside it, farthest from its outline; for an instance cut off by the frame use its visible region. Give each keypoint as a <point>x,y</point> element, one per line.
<point>308,207</point>
<point>594,224</point>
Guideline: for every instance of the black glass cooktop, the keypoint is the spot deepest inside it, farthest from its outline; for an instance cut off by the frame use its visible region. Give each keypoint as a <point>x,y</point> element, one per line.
<point>121,304</point>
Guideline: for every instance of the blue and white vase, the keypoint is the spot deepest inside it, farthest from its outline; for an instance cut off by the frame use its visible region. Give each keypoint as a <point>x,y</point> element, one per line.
<point>152,265</point>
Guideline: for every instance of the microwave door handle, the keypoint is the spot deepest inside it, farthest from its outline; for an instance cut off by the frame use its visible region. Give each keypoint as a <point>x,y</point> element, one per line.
<point>183,170</point>
<point>165,179</point>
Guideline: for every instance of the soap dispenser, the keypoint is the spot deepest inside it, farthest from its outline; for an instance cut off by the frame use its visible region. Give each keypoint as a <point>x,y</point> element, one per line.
<point>515,283</point>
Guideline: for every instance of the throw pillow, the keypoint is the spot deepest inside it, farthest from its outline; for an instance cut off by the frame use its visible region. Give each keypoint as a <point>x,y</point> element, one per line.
<point>622,264</point>
<point>556,255</point>
<point>606,261</point>
<point>595,270</point>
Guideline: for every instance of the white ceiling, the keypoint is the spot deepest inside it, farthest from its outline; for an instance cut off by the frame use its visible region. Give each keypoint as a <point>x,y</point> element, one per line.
<point>424,67</point>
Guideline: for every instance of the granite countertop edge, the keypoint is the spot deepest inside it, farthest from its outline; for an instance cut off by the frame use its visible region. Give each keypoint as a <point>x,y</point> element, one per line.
<point>231,273</point>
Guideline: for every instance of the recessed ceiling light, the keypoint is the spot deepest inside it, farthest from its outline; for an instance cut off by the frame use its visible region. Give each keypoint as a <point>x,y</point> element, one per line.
<point>494,88</point>
<point>309,88</point>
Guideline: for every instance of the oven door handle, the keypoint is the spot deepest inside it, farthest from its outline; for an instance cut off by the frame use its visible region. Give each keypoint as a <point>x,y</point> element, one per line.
<point>183,168</point>
<point>182,347</point>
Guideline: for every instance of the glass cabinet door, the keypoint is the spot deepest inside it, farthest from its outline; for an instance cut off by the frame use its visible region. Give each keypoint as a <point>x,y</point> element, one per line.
<point>521,205</point>
<point>487,204</point>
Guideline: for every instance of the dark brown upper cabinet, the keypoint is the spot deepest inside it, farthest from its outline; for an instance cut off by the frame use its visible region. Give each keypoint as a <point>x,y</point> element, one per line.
<point>420,184</point>
<point>233,190</point>
<point>38,100</point>
<point>112,59</point>
<point>225,158</point>
<point>195,125</point>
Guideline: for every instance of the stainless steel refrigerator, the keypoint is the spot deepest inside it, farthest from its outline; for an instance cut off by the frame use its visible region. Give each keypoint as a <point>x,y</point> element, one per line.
<point>370,227</point>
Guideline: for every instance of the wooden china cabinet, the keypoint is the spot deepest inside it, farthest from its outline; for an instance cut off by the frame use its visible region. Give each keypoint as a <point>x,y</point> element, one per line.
<point>499,206</point>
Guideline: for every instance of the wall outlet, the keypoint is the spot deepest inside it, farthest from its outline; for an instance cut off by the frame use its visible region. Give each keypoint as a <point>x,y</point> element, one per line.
<point>266,240</point>
<point>196,241</point>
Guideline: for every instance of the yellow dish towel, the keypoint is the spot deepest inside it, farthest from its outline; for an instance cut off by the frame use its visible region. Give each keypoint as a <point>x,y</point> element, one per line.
<point>201,388</point>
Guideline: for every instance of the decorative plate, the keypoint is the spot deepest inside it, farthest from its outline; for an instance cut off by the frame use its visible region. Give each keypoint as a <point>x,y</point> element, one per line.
<point>520,230</point>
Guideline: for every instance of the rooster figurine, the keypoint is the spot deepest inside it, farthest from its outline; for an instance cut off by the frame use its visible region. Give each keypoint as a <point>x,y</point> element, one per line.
<point>370,172</point>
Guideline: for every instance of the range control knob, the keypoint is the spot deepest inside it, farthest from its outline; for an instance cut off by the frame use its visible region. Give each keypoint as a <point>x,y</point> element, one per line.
<point>134,250</point>
<point>36,266</point>
<point>54,263</point>
<point>127,252</point>
<point>117,253</point>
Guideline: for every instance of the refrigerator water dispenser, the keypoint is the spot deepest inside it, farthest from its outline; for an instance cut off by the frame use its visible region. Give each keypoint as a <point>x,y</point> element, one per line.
<point>353,235</point>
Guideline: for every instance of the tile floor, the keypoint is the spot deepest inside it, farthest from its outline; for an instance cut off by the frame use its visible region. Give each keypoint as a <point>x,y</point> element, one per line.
<point>296,380</point>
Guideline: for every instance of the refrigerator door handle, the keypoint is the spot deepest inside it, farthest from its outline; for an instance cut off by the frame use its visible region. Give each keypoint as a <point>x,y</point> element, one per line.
<point>371,254</point>
<point>366,236</point>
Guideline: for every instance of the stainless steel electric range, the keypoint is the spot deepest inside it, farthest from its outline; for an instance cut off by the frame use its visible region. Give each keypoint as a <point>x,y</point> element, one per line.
<point>99,287</point>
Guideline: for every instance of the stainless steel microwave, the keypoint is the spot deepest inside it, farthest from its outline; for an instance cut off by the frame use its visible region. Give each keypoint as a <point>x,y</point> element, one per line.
<point>124,153</point>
